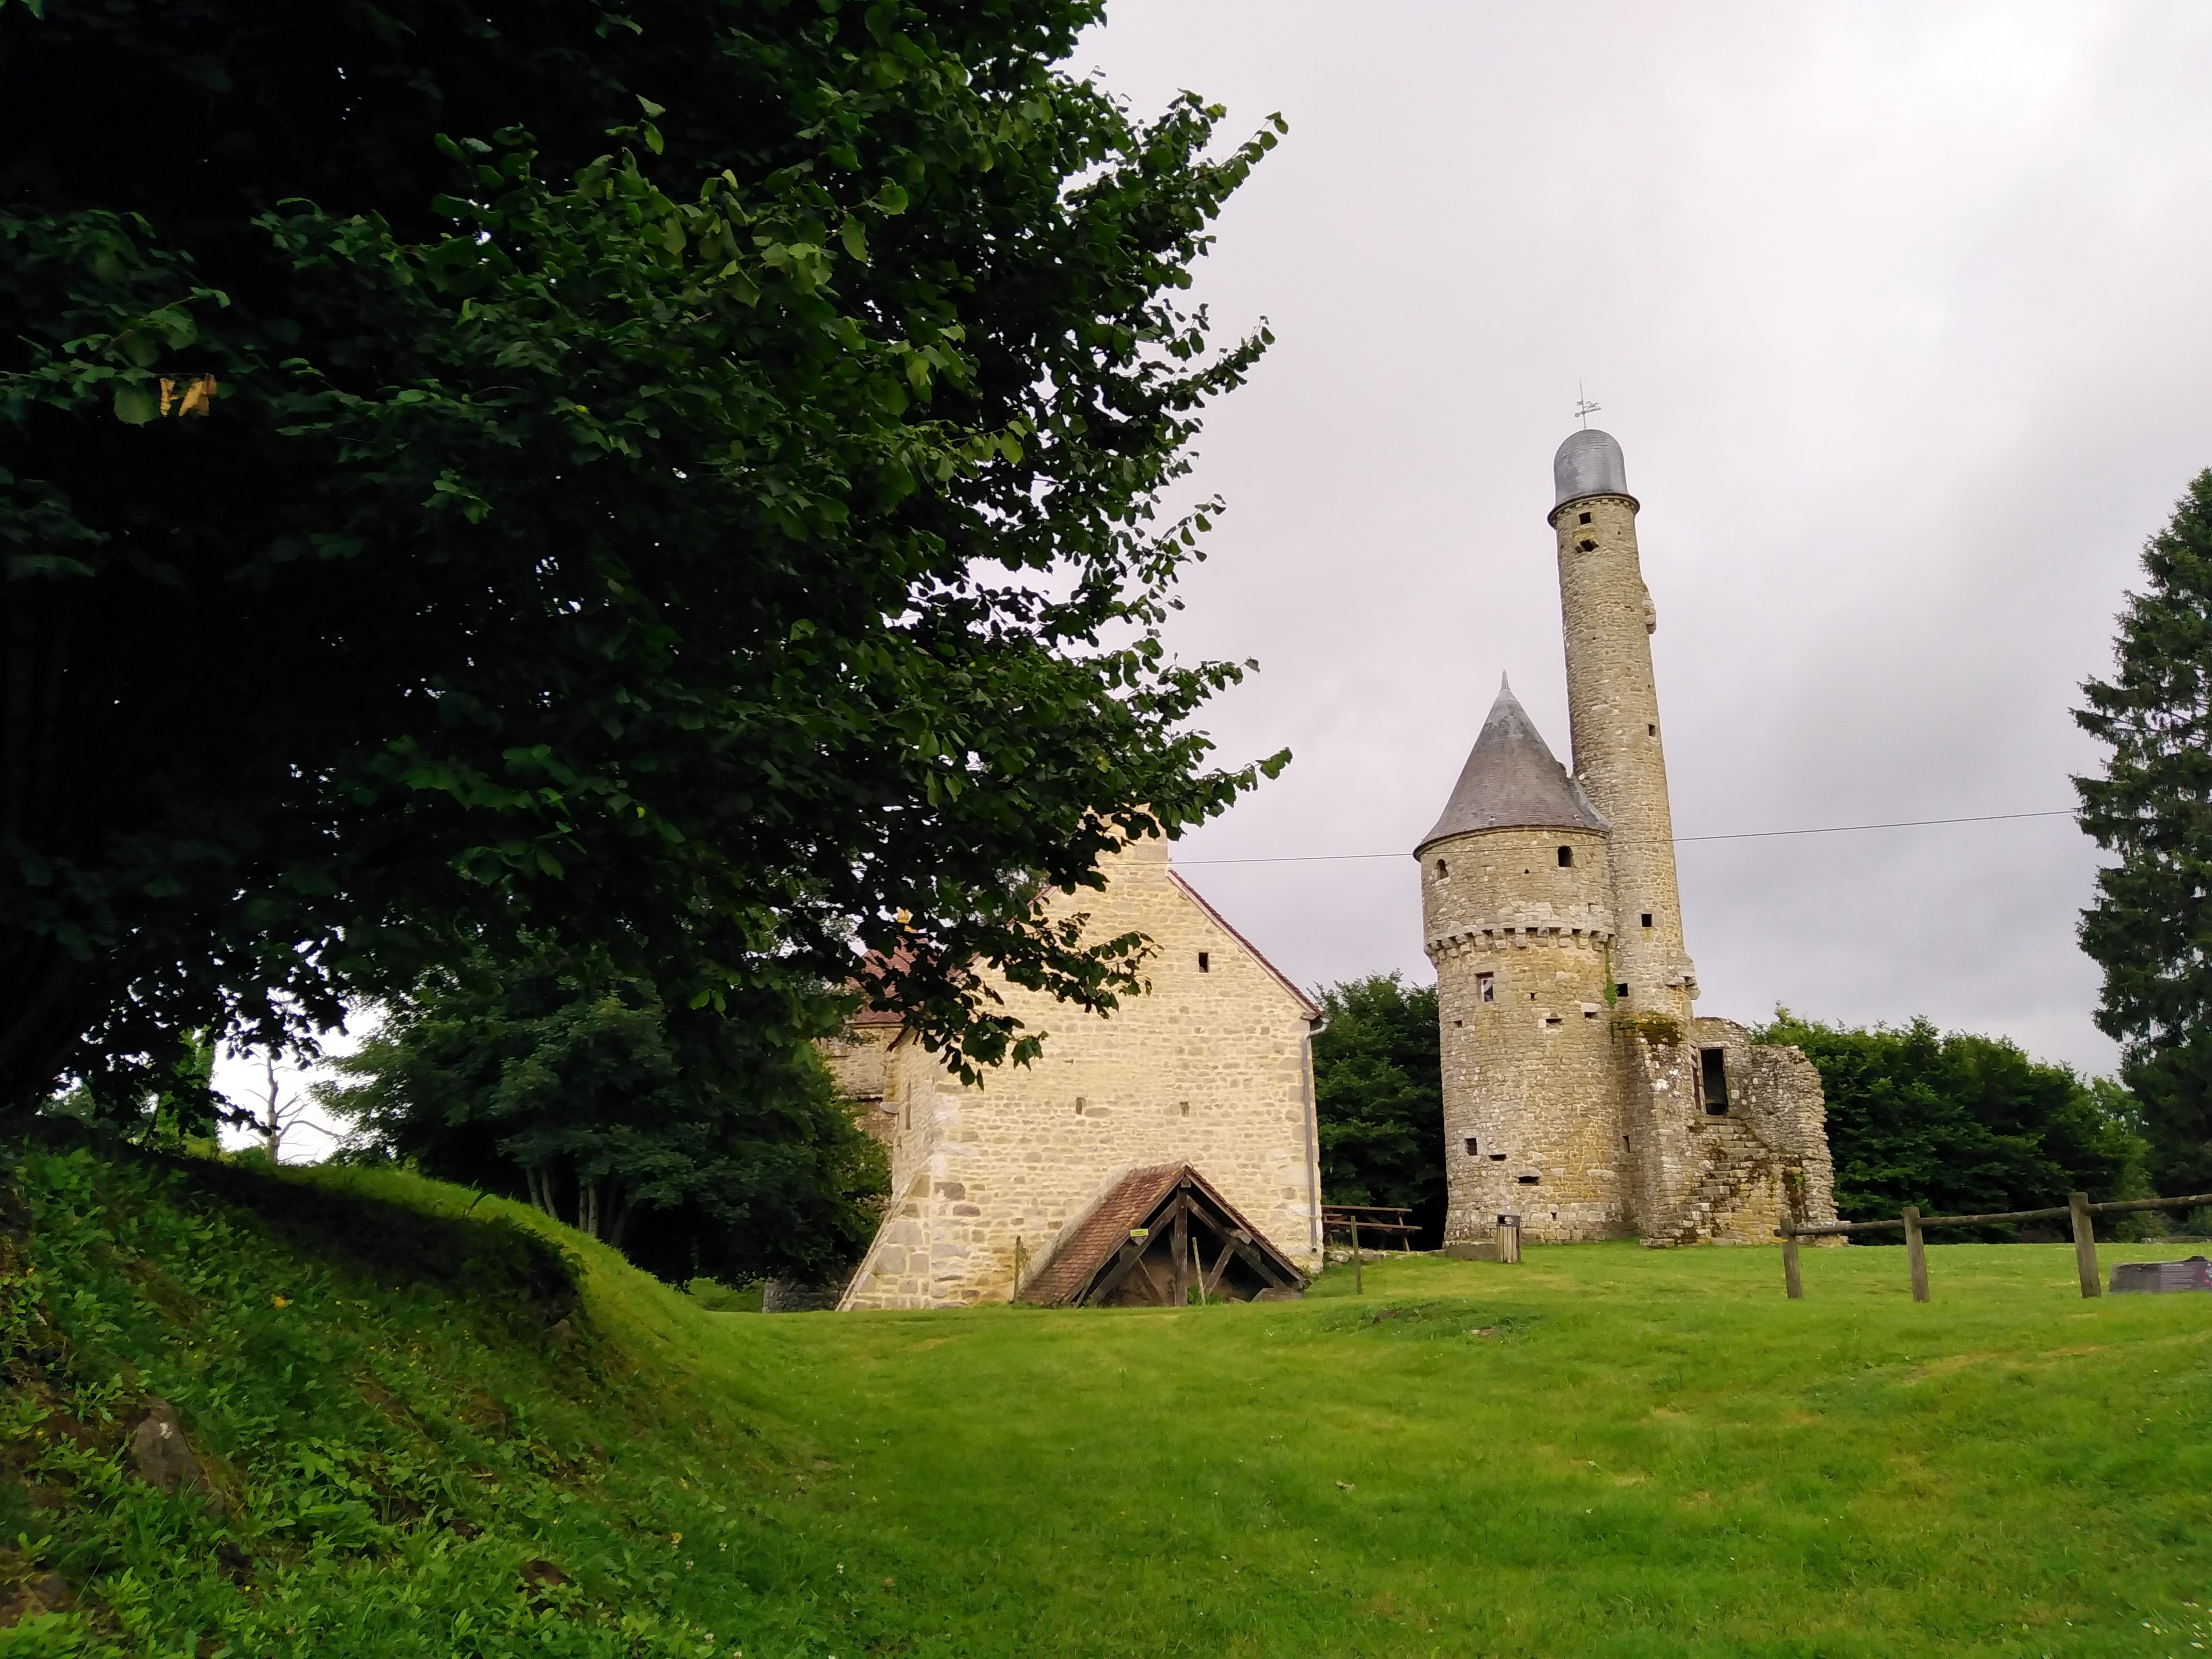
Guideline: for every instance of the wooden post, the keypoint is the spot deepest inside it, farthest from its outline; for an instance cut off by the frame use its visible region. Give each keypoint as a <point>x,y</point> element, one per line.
<point>1179,1247</point>
<point>1793,1283</point>
<point>1508,1239</point>
<point>1358,1284</point>
<point>1916,1254</point>
<point>2084,1244</point>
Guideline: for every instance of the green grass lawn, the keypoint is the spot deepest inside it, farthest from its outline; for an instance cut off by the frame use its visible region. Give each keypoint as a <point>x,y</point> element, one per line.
<point>1602,1451</point>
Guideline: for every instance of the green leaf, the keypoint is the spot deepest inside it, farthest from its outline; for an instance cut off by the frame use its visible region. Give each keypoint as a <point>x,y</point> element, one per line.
<point>135,404</point>
<point>856,243</point>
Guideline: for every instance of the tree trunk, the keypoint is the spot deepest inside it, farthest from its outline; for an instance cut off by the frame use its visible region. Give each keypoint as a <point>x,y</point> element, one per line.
<point>621,1215</point>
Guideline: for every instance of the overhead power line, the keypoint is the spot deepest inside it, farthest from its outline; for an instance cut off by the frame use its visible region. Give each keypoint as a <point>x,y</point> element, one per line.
<point>1738,835</point>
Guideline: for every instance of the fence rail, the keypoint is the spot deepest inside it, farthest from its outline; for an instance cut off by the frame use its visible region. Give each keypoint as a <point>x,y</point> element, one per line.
<point>2078,1208</point>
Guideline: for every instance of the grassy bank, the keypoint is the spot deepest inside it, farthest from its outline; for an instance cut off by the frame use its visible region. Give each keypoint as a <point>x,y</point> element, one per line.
<point>1604,1451</point>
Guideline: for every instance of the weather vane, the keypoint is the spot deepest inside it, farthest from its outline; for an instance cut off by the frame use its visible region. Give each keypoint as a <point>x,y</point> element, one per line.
<point>1583,406</point>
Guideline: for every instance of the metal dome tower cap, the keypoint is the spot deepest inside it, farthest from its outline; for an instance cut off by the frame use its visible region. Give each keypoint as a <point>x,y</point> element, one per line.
<point>1589,463</point>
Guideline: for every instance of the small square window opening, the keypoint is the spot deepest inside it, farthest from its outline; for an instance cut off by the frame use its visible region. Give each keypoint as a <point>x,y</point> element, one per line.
<point>1470,1147</point>
<point>1583,518</point>
<point>1443,871</point>
<point>1566,858</point>
<point>1619,991</point>
<point>1485,988</point>
<point>1647,918</point>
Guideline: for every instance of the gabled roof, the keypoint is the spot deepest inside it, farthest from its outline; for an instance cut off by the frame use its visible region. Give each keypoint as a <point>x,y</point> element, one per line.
<point>1136,1200</point>
<point>872,967</point>
<point>1512,781</point>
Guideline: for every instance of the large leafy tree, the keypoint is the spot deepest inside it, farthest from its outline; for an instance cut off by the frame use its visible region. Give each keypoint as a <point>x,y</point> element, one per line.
<point>692,1142</point>
<point>2150,928</point>
<point>1961,1124</point>
<point>677,481</point>
<point>1378,1092</point>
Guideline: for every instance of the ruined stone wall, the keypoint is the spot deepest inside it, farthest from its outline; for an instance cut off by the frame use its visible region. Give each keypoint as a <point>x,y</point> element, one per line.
<point>1704,1177</point>
<point>1213,1067</point>
<point>1620,754</point>
<point>1531,1087</point>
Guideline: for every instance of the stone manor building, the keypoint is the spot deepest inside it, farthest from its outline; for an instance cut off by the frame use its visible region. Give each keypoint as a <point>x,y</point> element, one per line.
<point>992,1185</point>
<point>1581,1091</point>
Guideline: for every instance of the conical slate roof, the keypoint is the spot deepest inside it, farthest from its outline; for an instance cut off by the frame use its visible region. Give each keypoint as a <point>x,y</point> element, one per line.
<point>1511,781</point>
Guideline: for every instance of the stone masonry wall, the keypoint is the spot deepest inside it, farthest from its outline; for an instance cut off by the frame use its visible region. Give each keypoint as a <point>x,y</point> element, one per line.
<point>1532,1098</point>
<point>1213,1067</point>
<point>1707,1177</point>
<point>860,1062</point>
<point>1619,753</point>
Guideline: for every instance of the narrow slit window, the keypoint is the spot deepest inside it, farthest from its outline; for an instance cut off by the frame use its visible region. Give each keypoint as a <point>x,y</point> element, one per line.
<point>1566,858</point>
<point>1528,1180</point>
<point>1443,871</point>
<point>1497,1157</point>
<point>1485,988</point>
<point>1651,728</point>
<point>1079,1104</point>
<point>1471,1147</point>
<point>1712,1078</point>
<point>1205,963</point>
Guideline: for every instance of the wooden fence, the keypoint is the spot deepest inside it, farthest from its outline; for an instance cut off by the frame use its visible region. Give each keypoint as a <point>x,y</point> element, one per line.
<point>2078,1207</point>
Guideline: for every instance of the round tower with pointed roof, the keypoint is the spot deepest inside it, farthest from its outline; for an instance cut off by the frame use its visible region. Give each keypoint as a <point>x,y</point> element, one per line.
<point>1516,901</point>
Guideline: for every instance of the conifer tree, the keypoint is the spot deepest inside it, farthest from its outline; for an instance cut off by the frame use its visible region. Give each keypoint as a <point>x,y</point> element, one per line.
<point>2150,928</point>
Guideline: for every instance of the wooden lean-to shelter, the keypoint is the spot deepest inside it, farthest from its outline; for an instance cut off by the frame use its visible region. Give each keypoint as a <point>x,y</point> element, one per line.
<point>1156,1236</point>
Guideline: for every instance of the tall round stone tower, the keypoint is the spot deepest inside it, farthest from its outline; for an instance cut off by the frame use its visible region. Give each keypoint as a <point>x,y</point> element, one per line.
<point>1516,903</point>
<point>1613,705</point>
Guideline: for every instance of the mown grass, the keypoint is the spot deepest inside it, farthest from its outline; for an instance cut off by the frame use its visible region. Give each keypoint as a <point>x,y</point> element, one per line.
<point>1602,1451</point>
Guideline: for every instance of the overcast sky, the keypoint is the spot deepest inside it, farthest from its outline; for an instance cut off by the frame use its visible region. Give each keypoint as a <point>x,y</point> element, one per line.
<point>1898,312</point>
